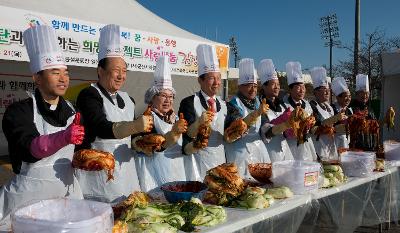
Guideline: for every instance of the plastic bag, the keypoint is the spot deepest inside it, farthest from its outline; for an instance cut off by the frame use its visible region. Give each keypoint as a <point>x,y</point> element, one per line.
<point>63,215</point>
<point>300,176</point>
<point>358,164</point>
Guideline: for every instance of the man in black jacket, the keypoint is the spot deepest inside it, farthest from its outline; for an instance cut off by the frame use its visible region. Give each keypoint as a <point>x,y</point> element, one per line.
<point>108,115</point>
<point>204,108</point>
<point>41,131</point>
<point>361,101</point>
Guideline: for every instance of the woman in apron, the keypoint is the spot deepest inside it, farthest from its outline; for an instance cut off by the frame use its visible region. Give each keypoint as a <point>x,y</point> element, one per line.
<point>244,149</point>
<point>41,131</point>
<point>159,167</point>
<point>276,121</point>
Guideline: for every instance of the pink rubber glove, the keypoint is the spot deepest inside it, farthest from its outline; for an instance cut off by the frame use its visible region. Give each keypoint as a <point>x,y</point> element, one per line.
<point>289,133</point>
<point>282,118</point>
<point>46,145</point>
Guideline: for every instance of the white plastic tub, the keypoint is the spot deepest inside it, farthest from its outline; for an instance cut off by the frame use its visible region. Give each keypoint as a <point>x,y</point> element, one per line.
<point>358,164</point>
<point>300,176</point>
<point>63,215</point>
<point>392,150</point>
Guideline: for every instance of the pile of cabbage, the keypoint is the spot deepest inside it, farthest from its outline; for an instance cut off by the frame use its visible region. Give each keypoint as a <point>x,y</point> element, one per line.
<point>168,218</point>
<point>333,176</point>
<point>260,198</point>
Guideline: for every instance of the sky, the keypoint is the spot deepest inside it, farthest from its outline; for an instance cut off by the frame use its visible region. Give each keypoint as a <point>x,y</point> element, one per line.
<point>282,30</point>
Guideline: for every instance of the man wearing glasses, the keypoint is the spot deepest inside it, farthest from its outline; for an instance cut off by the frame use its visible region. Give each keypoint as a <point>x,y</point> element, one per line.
<point>245,147</point>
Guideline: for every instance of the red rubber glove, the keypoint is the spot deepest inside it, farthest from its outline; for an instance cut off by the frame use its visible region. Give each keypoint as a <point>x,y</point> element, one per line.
<point>46,145</point>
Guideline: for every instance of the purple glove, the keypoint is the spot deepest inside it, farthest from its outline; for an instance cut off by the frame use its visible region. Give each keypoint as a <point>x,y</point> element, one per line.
<point>282,118</point>
<point>46,145</point>
<point>289,133</point>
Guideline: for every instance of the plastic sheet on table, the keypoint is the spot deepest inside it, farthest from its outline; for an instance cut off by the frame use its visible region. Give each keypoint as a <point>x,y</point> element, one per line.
<point>287,222</point>
<point>375,210</point>
<point>283,216</point>
<point>341,211</point>
<point>384,204</point>
<point>310,219</point>
<point>394,201</point>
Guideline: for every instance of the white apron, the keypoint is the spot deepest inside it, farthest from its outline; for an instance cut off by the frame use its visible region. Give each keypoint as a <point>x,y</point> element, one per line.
<point>277,146</point>
<point>161,167</point>
<point>305,151</point>
<point>50,177</point>
<point>325,146</point>
<point>248,149</point>
<point>197,164</point>
<point>94,184</point>
<point>341,140</point>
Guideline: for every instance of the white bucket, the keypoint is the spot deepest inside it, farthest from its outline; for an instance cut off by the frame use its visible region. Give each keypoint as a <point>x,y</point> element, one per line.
<point>392,150</point>
<point>300,176</point>
<point>358,164</point>
<point>63,215</point>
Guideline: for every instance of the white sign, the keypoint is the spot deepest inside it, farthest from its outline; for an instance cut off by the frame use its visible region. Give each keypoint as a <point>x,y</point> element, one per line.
<point>79,41</point>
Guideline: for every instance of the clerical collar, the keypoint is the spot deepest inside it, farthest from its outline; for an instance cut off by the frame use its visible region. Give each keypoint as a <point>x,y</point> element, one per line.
<point>57,117</point>
<point>53,107</point>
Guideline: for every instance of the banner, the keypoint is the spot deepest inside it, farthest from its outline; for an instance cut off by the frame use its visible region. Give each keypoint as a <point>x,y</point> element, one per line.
<point>79,42</point>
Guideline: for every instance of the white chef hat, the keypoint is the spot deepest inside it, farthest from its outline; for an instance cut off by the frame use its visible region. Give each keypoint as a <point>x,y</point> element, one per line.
<point>207,60</point>
<point>43,49</point>
<point>162,79</point>
<point>266,70</point>
<point>362,83</point>
<point>247,72</point>
<point>319,78</point>
<point>293,72</point>
<point>162,74</point>
<point>109,42</point>
<point>339,86</point>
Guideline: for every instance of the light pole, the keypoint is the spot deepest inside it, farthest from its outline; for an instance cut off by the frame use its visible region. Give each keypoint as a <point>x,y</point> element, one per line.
<point>234,49</point>
<point>329,33</point>
<point>356,39</point>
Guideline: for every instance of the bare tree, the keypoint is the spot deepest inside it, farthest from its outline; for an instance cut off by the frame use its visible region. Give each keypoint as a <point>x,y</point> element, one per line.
<point>394,42</point>
<point>372,47</point>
